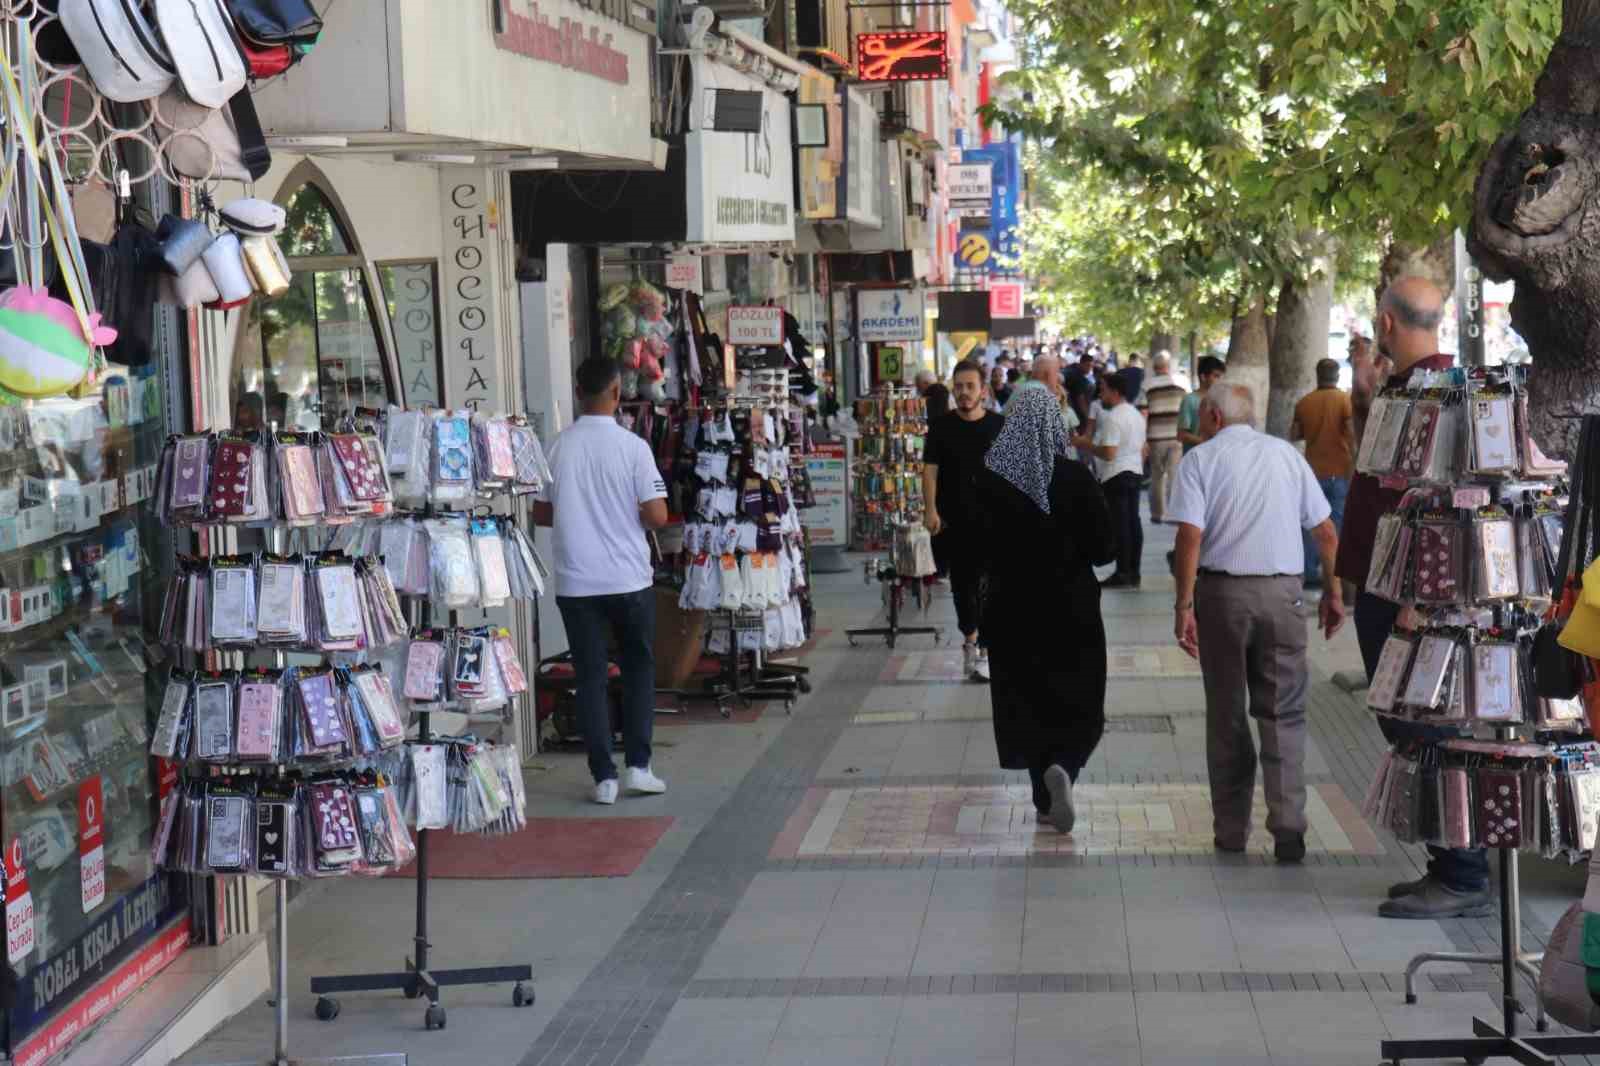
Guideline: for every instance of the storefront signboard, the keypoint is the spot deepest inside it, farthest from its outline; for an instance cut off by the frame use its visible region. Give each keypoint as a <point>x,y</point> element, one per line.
<point>91,843</point>
<point>683,272</point>
<point>568,40</point>
<point>970,182</point>
<point>889,314</point>
<point>740,186</point>
<point>828,520</point>
<point>917,55</point>
<point>755,326</point>
<point>19,905</point>
<point>820,167</point>
<point>471,221</point>
<point>863,164</point>
<point>1005,299</point>
<point>108,993</point>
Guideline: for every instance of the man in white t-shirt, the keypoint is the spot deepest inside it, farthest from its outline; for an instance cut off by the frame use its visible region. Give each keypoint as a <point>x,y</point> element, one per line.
<point>605,493</point>
<point>1118,450</point>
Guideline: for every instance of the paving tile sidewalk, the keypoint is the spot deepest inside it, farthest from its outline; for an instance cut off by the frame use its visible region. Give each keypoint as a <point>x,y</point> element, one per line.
<point>860,883</point>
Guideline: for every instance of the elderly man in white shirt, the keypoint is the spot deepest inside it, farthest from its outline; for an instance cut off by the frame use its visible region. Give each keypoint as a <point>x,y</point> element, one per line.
<point>1240,503</point>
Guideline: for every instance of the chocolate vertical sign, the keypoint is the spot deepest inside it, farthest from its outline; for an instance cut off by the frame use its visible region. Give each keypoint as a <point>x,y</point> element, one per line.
<point>471,228</point>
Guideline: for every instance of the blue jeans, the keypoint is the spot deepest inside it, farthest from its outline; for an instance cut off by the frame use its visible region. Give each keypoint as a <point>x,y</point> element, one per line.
<point>1334,489</point>
<point>631,618</point>
<point>1460,869</point>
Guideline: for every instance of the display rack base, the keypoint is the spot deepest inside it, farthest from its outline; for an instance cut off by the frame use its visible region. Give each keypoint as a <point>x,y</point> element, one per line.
<point>1527,962</point>
<point>1490,1041</point>
<point>394,1059</point>
<point>418,979</point>
<point>894,630</point>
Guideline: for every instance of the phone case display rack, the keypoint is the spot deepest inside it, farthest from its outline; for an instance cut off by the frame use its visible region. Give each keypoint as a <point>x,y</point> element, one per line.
<point>1469,547</point>
<point>887,472</point>
<point>743,531</point>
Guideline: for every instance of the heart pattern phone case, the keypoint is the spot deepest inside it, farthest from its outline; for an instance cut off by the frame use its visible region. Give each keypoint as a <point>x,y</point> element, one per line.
<point>258,720</point>
<point>232,478</point>
<point>1437,563</point>
<point>272,836</point>
<point>333,819</point>
<point>321,700</point>
<point>361,471</point>
<point>1496,693</point>
<point>1500,808</point>
<point>189,469</point>
<point>1498,558</point>
<point>1492,434</point>
<point>1419,439</point>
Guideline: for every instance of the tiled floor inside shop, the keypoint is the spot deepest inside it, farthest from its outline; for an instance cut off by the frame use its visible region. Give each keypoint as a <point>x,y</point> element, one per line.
<point>860,884</point>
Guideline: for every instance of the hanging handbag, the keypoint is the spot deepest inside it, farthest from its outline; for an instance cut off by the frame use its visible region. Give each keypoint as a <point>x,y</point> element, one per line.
<point>213,144</point>
<point>183,240</point>
<point>123,53</point>
<point>267,60</point>
<point>200,35</point>
<point>1569,975</point>
<point>1579,622</point>
<point>270,22</point>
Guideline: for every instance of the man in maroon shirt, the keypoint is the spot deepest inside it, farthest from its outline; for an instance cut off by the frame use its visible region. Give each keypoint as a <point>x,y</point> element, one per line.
<point>1457,883</point>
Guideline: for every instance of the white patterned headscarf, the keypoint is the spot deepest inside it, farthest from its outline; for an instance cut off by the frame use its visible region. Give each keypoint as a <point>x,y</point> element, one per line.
<point>1026,450</point>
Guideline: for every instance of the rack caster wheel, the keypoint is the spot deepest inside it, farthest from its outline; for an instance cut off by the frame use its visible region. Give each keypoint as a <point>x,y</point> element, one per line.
<point>726,712</point>
<point>521,995</point>
<point>327,1008</point>
<point>1479,1061</point>
<point>1411,999</point>
<point>433,1018</point>
<point>805,685</point>
<point>1542,1025</point>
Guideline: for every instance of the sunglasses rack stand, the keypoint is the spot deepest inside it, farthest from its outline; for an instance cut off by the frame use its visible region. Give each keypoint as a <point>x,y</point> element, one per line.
<point>277,542</point>
<point>417,979</point>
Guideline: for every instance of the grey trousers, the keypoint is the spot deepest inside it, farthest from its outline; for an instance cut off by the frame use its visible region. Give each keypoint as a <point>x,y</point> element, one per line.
<point>1253,659</point>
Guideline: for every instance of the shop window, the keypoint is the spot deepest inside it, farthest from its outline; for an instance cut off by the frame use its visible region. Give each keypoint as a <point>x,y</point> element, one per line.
<point>310,357</point>
<point>739,278</point>
<point>411,297</point>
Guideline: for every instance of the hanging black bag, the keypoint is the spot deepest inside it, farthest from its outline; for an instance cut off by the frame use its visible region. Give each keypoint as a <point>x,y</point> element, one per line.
<point>1559,674</point>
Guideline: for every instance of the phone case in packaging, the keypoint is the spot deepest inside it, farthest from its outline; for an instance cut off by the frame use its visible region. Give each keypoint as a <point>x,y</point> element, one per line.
<point>489,552</point>
<point>213,715</point>
<point>275,822</point>
<point>430,786</point>
<point>227,815</point>
<point>1437,563</point>
<point>1500,808</point>
<point>1496,687</point>
<point>260,718</point>
<point>453,567</point>
<point>424,681</point>
<point>172,722</point>
<point>1425,685</point>
<point>1496,543</point>
<point>333,819</point>
<point>1493,434</point>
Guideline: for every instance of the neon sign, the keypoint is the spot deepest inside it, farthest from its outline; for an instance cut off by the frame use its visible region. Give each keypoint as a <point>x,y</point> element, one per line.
<point>904,56</point>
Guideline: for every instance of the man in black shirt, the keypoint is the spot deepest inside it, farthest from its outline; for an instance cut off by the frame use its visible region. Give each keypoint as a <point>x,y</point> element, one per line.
<point>952,460</point>
<point>1081,388</point>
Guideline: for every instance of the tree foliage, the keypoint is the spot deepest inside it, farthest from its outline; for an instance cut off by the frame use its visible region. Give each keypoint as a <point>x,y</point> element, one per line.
<point>1235,135</point>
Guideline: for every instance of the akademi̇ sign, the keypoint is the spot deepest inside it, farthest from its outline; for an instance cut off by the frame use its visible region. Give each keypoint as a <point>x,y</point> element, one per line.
<point>889,314</point>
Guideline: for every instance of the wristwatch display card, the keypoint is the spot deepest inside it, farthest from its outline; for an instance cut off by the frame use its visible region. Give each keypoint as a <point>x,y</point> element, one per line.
<point>225,827</point>
<point>1500,808</point>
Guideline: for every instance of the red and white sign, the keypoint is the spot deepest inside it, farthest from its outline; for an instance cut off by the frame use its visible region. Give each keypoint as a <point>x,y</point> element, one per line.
<point>755,326</point>
<point>570,42</point>
<point>917,55</point>
<point>107,994</point>
<point>683,272</point>
<point>19,906</point>
<point>92,843</point>
<point>1005,299</point>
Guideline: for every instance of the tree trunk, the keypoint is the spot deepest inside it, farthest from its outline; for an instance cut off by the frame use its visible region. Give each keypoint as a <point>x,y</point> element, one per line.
<point>1533,222</point>
<point>1435,261</point>
<point>1299,340</point>
<point>1247,353</point>
<point>1163,341</point>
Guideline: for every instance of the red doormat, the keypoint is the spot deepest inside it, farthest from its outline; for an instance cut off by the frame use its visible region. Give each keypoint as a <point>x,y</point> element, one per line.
<point>547,848</point>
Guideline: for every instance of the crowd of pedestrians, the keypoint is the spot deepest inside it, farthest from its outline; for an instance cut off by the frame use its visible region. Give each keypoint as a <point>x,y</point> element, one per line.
<point>1062,452</point>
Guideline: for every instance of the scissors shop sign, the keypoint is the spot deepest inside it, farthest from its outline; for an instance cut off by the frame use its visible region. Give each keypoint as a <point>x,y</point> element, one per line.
<point>921,55</point>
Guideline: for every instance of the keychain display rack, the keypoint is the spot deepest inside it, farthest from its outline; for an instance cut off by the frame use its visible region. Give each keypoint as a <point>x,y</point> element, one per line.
<point>418,979</point>
<point>894,591</point>
<point>887,472</point>
<point>1469,545</point>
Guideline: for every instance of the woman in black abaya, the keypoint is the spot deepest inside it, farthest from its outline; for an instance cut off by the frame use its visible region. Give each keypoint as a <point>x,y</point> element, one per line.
<point>1047,526</point>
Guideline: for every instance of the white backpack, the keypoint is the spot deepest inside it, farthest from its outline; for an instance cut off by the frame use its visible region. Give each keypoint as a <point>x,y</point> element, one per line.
<point>200,36</point>
<point>121,50</point>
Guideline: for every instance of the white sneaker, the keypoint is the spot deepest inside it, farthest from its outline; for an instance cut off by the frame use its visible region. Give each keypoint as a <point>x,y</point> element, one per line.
<point>980,670</point>
<point>638,780</point>
<point>1062,815</point>
<point>969,660</point>
<point>606,791</point>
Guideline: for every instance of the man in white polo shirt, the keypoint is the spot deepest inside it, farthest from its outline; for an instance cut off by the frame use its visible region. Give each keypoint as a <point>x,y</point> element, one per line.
<point>606,492</point>
<point>1241,500</point>
<point>1117,447</point>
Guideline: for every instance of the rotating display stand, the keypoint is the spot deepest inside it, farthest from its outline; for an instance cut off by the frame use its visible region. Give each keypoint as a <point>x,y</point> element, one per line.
<point>894,591</point>
<point>417,979</point>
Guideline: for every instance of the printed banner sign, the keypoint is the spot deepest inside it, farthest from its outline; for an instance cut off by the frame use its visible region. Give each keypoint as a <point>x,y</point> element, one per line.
<point>19,905</point>
<point>889,314</point>
<point>92,843</point>
<point>1005,299</point>
<point>755,326</point>
<point>827,521</point>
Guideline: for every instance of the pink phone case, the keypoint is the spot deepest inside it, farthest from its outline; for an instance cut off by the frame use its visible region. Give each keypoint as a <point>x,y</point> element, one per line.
<point>510,669</point>
<point>424,665</point>
<point>258,719</point>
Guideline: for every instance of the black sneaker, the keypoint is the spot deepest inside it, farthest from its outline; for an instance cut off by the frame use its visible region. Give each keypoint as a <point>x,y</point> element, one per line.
<point>1120,581</point>
<point>1290,849</point>
<point>1231,849</point>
